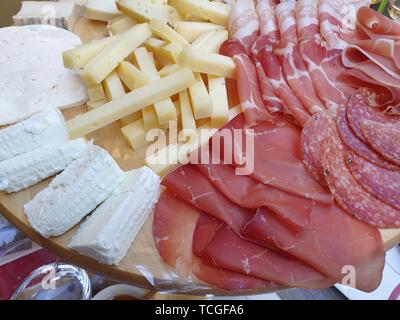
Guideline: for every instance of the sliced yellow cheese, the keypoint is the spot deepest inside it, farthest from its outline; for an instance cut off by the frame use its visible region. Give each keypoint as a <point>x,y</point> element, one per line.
<point>80,56</point>
<point>191,30</point>
<point>109,58</point>
<point>131,118</point>
<point>150,118</point>
<point>131,76</point>
<point>153,45</point>
<point>187,117</point>
<point>216,12</point>
<point>200,99</point>
<point>130,103</point>
<point>103,10</point>
<point>208,63</point>
<point>135,134</point>
<point>95,104</point>
<point>211,41</point>
<point>168,69</point>
<point>145,63</point>
<point>142,11</point>
<point>121,24</point>
<point>165,32</point>
<point>113,86</point>
<point>219,98</point>
<point>170,52</point>
<point>96,92</point>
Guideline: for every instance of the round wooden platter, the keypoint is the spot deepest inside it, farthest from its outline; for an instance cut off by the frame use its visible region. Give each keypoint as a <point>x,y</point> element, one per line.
<point>142,266</point>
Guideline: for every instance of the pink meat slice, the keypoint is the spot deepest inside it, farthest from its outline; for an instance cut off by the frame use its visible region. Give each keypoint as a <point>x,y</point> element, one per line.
<point>313,136</point>
<point>285,14</point>
<point>349,194</point>
<point>228,251</point>
<point>352,142</point>
<point>332,242</point>
<point>190,185</point>
<point>372,25</point>
<point>280,166</point>
<point>266,16</point>
<point>243,23</point>
<point>248,193</point>
<point>250,96</point>
<point>381,182</point>
<point>384,138</point>
<point>307,19</point>
<point>359,109</point>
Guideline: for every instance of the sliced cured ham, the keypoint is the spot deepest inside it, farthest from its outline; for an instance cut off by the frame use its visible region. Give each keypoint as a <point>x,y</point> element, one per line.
<point>349,194</point>
<point>373,25</point>
<point>280,166</point>
<point>313,136</point>
<point>384,138</point>
<point>359,110</point>
<point>266,16</point>
<point>381,182</point>
<point>228,251</point>
<point>351,141</point>
<point>192,186</point>
<point>250,96</point>
<point>248,193</point>
<point>307,19</point>
<point>332,242</point>
<point>243,23</point>
<point>286,16</point>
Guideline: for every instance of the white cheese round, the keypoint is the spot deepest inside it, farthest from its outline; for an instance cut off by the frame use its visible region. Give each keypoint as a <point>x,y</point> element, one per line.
<point>33,76</point>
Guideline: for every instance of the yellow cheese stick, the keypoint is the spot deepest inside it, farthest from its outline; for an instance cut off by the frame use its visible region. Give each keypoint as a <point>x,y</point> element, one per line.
<point>215,12</point>
<point>150,120</point>
<point>200,99</point>
<point>135,134</point>
<point>169,53</point>
<point>80,56</point>
<point>166,33</point>
<point>121,24</point>
<point>95,104</point>
<point>191,30</point>
<point>109,58</point>
<point>131,76</point>
<point>211,41</point>
<point>113,86</point>
<point>219,97</point>
<point>142,11</point>
<point>187,117</point>
<point>208,63</point>
<point>131,118</point>
<point>96,92</point>
<point>130,103</point>
<point>153,45</point>
<point>168,69</point>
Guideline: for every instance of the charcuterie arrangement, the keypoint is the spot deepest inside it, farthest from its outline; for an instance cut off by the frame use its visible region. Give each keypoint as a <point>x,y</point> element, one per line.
<point>287,189</point>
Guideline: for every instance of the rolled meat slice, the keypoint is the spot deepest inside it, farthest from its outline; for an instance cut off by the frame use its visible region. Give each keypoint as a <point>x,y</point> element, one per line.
<point>307,19</point>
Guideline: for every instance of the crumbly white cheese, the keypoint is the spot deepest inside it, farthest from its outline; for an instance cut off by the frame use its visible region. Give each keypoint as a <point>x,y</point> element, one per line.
<point>77,191</point>
<point>109,232</point>
<point>46,127</point>
<point>30,168</point>
<point>59,14</point>
<point>33,76</point>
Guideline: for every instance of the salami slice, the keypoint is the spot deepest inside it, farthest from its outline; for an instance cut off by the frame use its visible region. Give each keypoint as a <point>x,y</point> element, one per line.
<point>312,138</point>
<point>384,138</point>
<point>355,144</point>
<point>383,183</point>
<point>359,109</point>
<point>349,194</point>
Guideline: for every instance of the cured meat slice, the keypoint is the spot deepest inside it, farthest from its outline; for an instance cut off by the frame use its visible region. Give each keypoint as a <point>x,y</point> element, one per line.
<point>173,228</point>
<point>266,16</point>
<point>312,139</point>
<point>373,25</point>
<point>359,110</point>
<point>250,97</point>
<point>248,193</point>
<point>383,183</point>
<point>307,19</point>
<point>228,251</point>
<point>243,23</point>
<point>192,186</point>
<point>274,73</point>
<point>384,138</point>
<point>332,242</point>
<point>349,194</point>
<point>285,14</point>
<point>277,162</point>
<point>324,66</point>
<point>351,141</point>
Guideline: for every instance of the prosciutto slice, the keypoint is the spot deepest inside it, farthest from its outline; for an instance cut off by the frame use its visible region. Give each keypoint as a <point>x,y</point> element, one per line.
<point>332,242</point>
<point>228,251</point>
<point>384,138</point>
<point>280,166</point>
<point>243,23</point>
<point>381,182</point>
<point>307,19</point>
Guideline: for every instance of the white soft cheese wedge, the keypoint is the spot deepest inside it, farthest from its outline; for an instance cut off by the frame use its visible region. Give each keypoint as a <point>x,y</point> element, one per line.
<point>33,77</point>
<point>30,168</point>
<point>74,193</point>
<point>46,127</point>
<point>109,232</point>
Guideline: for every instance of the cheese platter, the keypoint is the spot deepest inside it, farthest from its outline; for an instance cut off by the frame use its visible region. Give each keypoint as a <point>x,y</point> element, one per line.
<point>143,69</point>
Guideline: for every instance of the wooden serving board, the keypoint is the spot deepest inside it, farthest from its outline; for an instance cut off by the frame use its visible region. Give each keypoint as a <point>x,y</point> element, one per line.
<point>143,265</point>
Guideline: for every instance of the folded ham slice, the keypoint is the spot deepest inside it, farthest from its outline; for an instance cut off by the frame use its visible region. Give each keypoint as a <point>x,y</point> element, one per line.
<point>332,243</point>
<point>307,19</point>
